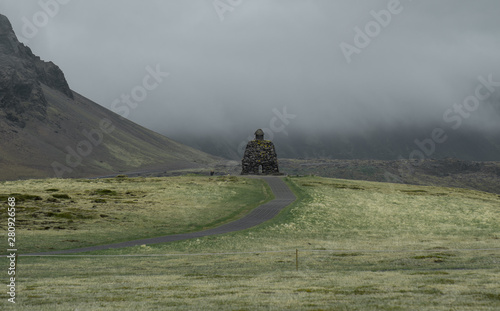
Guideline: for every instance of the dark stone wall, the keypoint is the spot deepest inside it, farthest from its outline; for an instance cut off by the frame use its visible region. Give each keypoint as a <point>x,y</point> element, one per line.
<point>260,153</point>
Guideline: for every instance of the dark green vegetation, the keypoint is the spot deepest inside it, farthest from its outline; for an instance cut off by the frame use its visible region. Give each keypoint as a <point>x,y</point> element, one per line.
<point>362,246</point>
<point>94,212</point>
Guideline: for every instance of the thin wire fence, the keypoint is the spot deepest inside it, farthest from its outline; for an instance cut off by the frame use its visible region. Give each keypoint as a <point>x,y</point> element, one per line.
<point>304,260</point>
<point>364,251</point>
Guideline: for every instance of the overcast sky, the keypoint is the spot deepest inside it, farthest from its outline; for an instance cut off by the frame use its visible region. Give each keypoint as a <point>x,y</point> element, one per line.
<point>232,63</point>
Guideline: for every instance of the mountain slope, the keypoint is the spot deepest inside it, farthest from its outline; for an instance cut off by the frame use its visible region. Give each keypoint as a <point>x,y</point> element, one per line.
<point>48,130</point>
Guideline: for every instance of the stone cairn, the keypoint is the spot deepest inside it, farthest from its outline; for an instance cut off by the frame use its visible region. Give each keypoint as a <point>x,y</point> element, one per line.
<point>260,157</point>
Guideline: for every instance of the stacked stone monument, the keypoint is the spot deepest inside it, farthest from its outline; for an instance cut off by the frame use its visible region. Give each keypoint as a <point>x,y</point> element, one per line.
<point>260,157</point>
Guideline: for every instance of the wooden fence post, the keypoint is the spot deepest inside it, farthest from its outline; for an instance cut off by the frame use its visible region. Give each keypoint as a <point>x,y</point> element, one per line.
<point>296,259</point>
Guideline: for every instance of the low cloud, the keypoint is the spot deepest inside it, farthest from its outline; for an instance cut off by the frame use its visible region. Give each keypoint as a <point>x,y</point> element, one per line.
<point>226,76</point>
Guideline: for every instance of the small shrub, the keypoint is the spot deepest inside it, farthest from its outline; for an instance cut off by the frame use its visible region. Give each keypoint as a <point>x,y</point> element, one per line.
<point>25,197</point>
<point>414,192</point>
<point>61,196</point>
<point>99,201</point>
<point>103,192</point>
<point>344,186</point>
<point>65,215</point>
<point>308,185</point>
<point>52,190</point>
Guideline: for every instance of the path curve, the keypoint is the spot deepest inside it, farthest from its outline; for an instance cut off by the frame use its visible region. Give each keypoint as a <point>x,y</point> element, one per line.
<point>283,197</point>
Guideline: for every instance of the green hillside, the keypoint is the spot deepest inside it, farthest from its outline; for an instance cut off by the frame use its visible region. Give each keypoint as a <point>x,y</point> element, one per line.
<point>361,245</point>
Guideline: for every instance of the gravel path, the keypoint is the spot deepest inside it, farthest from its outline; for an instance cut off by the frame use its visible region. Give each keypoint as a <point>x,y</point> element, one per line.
<point>283,197</point>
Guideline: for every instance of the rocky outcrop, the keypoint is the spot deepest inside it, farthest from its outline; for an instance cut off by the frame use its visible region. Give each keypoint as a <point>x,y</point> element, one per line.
<point>21,75</point>
<point>260,157</point>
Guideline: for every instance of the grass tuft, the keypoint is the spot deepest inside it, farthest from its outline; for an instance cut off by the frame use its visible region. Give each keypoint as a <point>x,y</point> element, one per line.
<point>104,192</point>
<point>21,197</point>
<point>61,196</point>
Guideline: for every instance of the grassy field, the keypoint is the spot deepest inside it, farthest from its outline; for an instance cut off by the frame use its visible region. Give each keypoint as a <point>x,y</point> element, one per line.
<point>60,214</point>
<point>482,176</point>
<point>362,246</point>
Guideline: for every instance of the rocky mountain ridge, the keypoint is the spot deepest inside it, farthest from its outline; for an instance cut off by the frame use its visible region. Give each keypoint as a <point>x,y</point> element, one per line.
<point>21,76</point>
<point>48,130</point>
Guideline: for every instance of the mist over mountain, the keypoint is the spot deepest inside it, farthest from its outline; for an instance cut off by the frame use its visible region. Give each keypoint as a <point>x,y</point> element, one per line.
<point>364,79</point>
<point>380,144</point>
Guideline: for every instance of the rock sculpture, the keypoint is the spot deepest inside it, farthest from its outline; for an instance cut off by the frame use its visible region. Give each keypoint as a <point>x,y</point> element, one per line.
<point>260,157</point>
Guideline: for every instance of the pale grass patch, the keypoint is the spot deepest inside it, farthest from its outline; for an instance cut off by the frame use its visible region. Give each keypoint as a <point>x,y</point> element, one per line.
<point>127,156</point>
